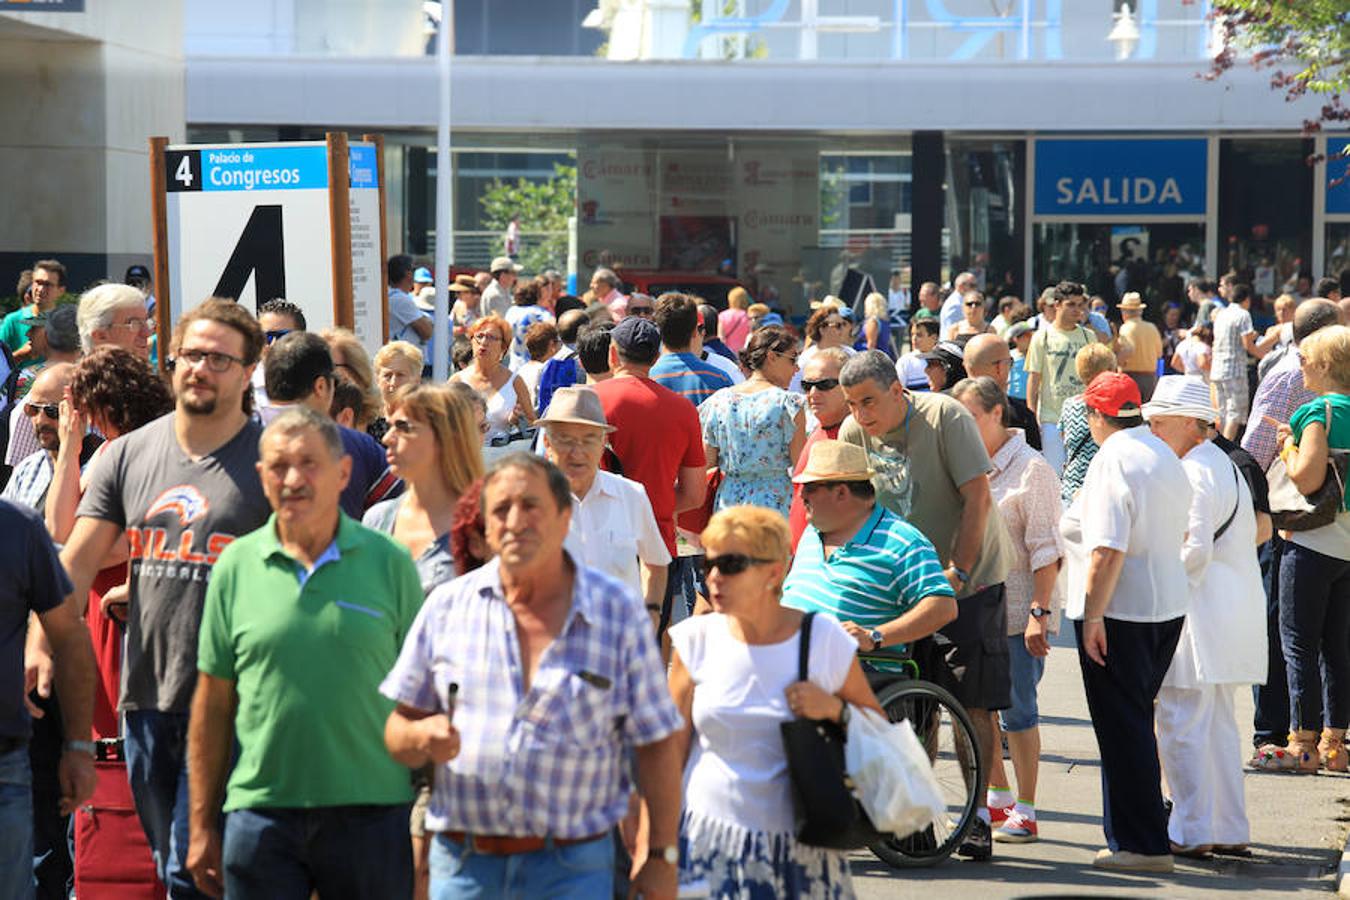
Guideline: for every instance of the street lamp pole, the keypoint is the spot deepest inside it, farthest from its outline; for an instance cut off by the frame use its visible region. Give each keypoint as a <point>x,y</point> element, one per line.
<point>445,176</point>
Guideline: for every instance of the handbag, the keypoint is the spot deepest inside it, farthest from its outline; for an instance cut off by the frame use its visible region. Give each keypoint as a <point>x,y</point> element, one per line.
<point>696,520</point>
<point>826,812</point>
<point>1290,509</point>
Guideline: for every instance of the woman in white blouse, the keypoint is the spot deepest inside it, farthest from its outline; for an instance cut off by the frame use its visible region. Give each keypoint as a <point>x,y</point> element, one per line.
<point>1027,493</point>
<point>733,674</point>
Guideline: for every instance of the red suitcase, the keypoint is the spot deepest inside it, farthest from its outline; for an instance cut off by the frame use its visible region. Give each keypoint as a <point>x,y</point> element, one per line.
<point>112,856</point>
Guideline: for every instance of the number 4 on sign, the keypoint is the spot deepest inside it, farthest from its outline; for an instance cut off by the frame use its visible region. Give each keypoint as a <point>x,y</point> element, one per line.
<point>260,252</point>
<point>184,172</point>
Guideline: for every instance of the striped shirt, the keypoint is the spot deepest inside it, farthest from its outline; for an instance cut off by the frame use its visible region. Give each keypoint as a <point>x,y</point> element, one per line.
<point>690,377</point>
<point>549,760</point>
<point>875,577</point>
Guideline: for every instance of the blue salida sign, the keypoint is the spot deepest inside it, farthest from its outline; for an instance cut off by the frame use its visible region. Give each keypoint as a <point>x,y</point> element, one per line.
<point>1338,175</point>
<point>1160,178</point>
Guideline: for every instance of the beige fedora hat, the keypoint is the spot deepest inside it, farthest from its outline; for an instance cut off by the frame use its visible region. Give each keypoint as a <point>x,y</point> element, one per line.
<point>1132,300</point>
<point>576,406</point>
<point>835,461</point>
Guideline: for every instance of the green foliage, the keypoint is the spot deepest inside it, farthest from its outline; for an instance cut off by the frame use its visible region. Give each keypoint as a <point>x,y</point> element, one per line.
<point>540,205</point>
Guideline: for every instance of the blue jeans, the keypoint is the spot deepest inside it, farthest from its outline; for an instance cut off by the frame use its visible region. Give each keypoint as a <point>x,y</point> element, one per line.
<point>684,582</point>
<point>354,852</point>
<point>1270,722</point>
<point>1315,620</point>
<point>16,825</point>
<point>576,872</point>
<point>156,751</point>
<point>1024,675</point>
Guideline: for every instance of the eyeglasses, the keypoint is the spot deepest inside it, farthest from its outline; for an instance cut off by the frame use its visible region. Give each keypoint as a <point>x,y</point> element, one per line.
<point>45,284</point>
<point>133,325</point>
<point>568,444</point>
<point>216,362</point>
<point>1005,360</point>
<point>824,384</point>
<point>732,563</point>
<point>276,334</point>
<point>487,337</point>
<point>50,410</point>
<point>403,426</point>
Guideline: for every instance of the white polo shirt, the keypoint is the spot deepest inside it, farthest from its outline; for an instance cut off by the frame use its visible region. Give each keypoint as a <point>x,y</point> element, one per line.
<point>613,527</point>
<point>1134,499</point>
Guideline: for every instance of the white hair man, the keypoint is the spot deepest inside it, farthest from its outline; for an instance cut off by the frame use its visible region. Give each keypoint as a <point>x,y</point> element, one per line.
<point>114,315</point>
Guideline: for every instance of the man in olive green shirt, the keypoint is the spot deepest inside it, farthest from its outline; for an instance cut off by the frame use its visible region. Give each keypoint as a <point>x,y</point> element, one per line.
<point>1052,375</point>
<point>303,619</point>
<point>932,470</point>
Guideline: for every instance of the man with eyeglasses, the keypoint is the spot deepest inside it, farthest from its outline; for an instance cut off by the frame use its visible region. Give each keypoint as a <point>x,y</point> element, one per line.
<point>181,489</point>
<point>48,286</point>
<point>42,407</point>
<point>113,315</point>
<point>988,354</point>
<point>828,405</point>
<point>1052,376</point>
<point>613,528</point>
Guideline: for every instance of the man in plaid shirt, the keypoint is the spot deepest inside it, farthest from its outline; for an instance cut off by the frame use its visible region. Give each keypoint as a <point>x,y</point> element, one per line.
<point>551,674</point>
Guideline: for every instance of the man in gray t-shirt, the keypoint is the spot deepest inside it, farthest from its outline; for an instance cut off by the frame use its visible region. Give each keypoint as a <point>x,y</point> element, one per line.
<point>181,489</point>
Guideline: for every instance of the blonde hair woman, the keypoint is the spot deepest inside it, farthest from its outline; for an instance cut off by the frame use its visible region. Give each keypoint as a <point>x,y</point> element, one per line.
<point>734,677</point>
<point>505,393</point>
<point>1079,447</point>
<point>875,333</point>
<point>352,363</point>
<point>733,323</point>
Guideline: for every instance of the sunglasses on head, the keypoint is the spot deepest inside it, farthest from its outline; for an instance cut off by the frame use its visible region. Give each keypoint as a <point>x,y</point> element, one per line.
<point>824,384</point>
<point>732,563</point>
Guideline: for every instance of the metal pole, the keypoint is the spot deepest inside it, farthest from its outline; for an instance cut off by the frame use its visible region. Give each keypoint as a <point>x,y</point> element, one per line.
<point>445,176</point>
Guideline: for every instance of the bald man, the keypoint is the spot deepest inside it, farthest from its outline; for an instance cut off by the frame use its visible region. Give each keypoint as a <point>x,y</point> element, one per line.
<point>988,354</point>
<point>33,474</point>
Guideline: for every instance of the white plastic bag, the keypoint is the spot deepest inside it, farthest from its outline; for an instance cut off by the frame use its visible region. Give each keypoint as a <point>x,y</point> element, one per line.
<point>892,776</point>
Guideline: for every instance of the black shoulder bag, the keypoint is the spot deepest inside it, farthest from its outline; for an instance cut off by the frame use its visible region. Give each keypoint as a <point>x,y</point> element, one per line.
<point>826,812</point>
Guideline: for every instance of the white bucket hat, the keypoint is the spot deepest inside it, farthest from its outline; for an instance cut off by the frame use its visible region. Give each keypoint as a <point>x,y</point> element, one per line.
<point>1181,395</point>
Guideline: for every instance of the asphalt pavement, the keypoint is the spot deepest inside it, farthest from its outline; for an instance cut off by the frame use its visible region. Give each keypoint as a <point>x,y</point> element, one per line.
<point>1299,825</point>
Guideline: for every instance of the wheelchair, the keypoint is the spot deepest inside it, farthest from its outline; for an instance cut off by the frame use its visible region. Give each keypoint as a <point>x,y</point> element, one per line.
<point>945,730</point>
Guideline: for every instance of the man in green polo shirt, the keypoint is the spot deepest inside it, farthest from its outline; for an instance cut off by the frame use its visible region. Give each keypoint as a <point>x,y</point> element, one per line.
<point>303,618</point>
<point>48,286</point>
<point>860,562</point>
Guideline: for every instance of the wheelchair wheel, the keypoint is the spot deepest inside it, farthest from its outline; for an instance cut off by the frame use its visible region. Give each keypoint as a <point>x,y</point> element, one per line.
<point>945,730</point>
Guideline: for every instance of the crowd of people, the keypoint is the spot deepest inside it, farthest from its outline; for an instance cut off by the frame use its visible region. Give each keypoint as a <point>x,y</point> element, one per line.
<point>534,630</point>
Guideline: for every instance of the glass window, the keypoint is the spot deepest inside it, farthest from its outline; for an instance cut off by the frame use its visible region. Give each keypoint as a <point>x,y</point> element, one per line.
<point>985,181</point>
<point>1265,211</point>
<point>1155,259</point>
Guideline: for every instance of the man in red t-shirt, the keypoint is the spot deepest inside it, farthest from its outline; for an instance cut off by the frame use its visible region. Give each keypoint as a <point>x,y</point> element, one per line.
<point>825,398</point>
<point>658,440</point>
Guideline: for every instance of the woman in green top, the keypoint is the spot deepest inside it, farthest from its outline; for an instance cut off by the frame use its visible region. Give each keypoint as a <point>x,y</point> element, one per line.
<point>1315,566</point>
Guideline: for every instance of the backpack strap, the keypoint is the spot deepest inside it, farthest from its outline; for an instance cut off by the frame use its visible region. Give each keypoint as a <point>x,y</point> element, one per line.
<point>1236,503</point>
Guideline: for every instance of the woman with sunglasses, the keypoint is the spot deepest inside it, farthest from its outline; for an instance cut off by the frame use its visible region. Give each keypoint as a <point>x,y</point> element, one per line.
<point>826,328</point>
<point>754,432</point>
<point>432,446</point>
<point>506,396</point>
<point>733,675</point>
<point>973,312</point>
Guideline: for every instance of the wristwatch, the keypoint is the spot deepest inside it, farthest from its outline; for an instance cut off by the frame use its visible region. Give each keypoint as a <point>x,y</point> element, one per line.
<point>80,747</point>
<point>669,854</point>
<point>961,574</point>
<point>877,639</point>
<point>1039,612</point>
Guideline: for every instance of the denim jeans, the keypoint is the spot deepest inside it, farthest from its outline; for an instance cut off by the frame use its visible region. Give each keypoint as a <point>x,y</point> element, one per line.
<point>684,582</point>
<point>1025,673</point>
<point>340,852</point>
<point>1270,722</point>
<point>16,826</point>
<point>156,751</point>
<point>1315,620</point>
<point>575,872</point>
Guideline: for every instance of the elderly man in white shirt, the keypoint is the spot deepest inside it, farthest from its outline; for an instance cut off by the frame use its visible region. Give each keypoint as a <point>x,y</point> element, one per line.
<point>951,313</point>
<point>1223,641</point>
<point>613,527</point>
<point>1127,596</point>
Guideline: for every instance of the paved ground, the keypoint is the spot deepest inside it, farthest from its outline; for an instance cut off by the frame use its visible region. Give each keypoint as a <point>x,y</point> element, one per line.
<point>1298,827</point>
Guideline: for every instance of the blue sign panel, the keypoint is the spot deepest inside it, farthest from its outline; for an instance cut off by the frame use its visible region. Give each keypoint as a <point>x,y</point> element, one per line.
<point>362,166</point>
<point>241,167</point>
<point>1338,175</point>
<point>1121,177</point>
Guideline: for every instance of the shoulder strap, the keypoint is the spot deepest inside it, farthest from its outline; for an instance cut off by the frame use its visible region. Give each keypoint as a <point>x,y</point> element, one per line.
<point>1237,502</point>
<point>804,647</point>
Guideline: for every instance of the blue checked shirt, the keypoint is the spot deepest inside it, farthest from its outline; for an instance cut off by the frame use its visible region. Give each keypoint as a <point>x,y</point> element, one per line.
<point>550,760</point>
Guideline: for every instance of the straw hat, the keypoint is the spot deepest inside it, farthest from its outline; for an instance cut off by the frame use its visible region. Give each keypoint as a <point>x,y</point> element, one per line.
<point>835,461</point>
<point>1132,300</point>
<point>576,406</point>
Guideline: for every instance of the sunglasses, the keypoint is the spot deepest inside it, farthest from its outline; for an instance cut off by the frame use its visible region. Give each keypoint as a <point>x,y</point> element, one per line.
<point>824,384</point>
<point>276,334</point>
<point>974,303</point>
<point>50,410</point>
<point>732,563</point>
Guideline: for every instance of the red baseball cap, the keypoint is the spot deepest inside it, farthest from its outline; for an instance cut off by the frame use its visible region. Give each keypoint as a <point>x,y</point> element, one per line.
<point>1114,394</point>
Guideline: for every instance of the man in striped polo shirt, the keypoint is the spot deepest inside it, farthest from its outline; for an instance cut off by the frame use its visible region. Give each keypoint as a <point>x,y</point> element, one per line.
<point>681,366</point>
<point>860,562</point>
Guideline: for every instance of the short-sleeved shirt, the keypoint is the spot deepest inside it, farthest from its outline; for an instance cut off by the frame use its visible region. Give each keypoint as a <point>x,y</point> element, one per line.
<point>436,565</point>
<point>920,467</point>
<point>1133,500</point>
<point>550,759</point>
<point>520,318</point>
<point>307,650</point>
<point>31,580</point>
<point>1145,345</point>
<point>1229,359</point>
<point>658,433</point>
<point>879,574</point>
<point>14,333</point>
<point>1052,355</point>
<point>403,311</point>
<point>179,514</point>
<point>371,481</point>
<point>613,527</point>
<point>690,377</point>
<point>1334,539</point>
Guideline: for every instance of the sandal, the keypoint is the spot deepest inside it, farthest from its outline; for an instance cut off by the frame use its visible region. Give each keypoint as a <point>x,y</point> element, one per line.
<point>1273,758</point>
<point>1241,850</point>
<point>1193,851</point>
<point>1331,749</point>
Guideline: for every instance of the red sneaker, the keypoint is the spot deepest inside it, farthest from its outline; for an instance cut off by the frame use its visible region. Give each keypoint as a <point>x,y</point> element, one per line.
<point>1018,829</point>
<point>999,814</point>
